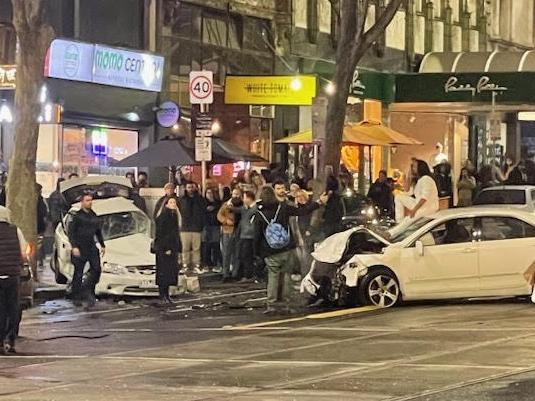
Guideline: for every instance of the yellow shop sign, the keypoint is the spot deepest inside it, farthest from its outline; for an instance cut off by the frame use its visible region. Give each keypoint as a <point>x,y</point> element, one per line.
<point>270,90</point>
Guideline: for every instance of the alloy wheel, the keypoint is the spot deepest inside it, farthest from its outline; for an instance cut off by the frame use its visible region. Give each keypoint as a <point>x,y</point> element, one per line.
<point>383,291</point>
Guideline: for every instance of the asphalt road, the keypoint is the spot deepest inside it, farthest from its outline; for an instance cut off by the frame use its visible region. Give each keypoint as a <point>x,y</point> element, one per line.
<point>225,349</point>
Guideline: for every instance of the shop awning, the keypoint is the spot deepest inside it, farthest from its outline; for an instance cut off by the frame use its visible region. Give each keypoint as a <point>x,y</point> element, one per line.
<point>367,133</point>
<point>436,62</point>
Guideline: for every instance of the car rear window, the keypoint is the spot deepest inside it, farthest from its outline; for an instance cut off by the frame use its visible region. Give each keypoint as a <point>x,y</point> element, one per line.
<point>501,197</point>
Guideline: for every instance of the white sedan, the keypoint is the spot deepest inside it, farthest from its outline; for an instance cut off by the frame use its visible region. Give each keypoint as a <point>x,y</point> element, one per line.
<point>456,253</point>
<point>128,268</point>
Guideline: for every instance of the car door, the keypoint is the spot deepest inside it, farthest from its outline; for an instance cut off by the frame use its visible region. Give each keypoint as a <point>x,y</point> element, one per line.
<point>506,250</point>
<point>63,248</point>
<point>449,264</point>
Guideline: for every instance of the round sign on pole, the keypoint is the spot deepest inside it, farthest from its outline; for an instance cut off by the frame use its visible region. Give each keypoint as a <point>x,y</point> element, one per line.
<point>201,87</point>
<point>168,114</point>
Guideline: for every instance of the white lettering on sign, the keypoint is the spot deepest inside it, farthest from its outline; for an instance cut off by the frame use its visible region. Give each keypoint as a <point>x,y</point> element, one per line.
<point>357,87</point>
<point>483,85</point>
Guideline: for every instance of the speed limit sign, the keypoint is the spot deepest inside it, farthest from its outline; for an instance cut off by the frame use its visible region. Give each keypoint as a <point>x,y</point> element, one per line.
<point>201,87</point>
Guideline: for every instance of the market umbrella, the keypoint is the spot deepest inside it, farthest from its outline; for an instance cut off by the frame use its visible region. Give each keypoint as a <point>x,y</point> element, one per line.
<point>378,131</point>
<point>350,137</point>
<point>227,150</point>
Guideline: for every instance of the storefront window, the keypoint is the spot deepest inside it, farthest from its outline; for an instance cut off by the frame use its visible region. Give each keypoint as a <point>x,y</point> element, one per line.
<point>261,137</point>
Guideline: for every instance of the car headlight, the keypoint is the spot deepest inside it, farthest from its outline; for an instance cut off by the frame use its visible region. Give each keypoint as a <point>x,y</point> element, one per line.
<point>114,268</point>
<point>370,211</point>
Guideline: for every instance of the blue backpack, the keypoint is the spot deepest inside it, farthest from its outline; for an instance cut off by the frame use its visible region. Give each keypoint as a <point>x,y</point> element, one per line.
<point>277,237</point>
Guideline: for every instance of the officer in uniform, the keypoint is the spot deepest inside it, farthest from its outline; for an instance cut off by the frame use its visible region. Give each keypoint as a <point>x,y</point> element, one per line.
<point>83,230</point>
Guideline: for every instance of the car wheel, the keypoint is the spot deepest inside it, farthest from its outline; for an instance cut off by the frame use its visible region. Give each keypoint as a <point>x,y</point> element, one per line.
<point>54,265</point>
<point>380,288</point>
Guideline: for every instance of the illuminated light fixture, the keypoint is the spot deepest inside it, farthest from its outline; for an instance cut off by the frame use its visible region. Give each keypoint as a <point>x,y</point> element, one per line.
<point>55,164</point>
<point>296,84</point>
<point>175,127</point>
<point>48,113</point>
<point>132,116</point>
<point>216,127</point>
<point>5,114</point>
<point>526,116</point>
<point>330,89</point>
<point>43,94</point>
<point>412,119</point>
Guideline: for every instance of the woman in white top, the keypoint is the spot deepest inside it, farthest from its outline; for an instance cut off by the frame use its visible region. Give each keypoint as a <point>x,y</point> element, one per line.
<point>425,199</point>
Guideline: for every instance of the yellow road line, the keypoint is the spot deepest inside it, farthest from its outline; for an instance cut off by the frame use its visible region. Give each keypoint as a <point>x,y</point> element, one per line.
<point>323,315</point>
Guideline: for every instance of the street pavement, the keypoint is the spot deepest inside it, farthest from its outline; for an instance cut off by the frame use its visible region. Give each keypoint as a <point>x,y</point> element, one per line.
<point>217,345</point>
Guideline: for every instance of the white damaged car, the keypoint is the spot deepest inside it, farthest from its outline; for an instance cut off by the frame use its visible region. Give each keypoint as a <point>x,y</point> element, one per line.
<point>456,253</point>
<point>128,268</point>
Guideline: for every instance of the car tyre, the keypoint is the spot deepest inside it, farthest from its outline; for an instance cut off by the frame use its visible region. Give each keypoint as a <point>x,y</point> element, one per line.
<point>54,265</point>
<point>379,287</point>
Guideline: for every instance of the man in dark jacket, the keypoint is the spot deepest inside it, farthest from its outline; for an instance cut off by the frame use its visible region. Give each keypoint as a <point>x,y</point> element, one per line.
<point>246,231</point>
<point>12,249</point>
<point>382,196</point>
<point>192,209</point>
<point>279,260</point>
<point>85,226</point>
<point>57,205</point>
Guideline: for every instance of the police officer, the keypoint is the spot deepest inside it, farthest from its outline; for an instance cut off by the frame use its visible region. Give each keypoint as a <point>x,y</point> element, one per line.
<point>85,226</point>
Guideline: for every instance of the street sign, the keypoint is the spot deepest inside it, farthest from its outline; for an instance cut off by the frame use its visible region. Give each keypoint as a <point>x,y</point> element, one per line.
<point>203,132</point>
<point>201,87</point>
<point>203,149</point>
<point>202,120</point>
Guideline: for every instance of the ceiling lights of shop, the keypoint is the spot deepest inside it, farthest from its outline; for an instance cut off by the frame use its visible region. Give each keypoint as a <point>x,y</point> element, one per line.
<point>526,116</point>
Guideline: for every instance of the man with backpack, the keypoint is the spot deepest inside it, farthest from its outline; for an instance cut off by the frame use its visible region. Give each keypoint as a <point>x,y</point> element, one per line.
<point>274,242</point>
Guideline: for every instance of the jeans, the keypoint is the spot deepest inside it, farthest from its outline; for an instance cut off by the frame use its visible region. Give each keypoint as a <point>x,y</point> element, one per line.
<point>9,309</point>
<point>279,286</point>
<point>229,249</point>
<point>91,256</point>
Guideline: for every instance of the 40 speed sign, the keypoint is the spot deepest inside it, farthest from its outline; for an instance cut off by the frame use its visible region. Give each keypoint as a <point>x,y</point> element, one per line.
<point>201,87</point>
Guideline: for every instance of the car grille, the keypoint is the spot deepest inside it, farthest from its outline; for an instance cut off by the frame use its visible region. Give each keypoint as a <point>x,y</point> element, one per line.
<point>135,290</point>
<point>146,270</point>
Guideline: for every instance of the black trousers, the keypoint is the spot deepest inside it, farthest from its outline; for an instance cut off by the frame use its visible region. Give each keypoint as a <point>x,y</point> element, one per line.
<point>9,309</point>
<point>246,258</point>
<point>89,255</point>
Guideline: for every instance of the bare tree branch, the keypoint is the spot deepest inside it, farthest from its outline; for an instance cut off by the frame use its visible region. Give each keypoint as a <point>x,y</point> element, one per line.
<point>363,11</point>
<point>381,23</point>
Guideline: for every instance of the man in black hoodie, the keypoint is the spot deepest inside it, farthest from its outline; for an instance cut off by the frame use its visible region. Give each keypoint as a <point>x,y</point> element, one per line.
<point>279,260</point>
<point>192,209</point>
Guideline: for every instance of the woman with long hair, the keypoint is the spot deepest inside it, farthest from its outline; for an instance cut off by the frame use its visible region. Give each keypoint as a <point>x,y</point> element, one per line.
<point>167,247</point>
<point>425,201</point>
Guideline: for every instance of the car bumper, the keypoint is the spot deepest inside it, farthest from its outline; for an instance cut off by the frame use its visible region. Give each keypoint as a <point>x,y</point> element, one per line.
<point>123,285</point>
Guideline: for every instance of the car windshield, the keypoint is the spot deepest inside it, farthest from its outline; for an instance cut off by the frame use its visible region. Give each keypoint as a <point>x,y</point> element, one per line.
<point>501,197</point>
<point>401,231</point>
<point>119,225</point>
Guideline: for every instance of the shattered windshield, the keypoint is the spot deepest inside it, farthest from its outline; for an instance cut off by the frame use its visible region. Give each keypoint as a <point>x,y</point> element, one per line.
<point>119,225</point>
<point>403,231</point>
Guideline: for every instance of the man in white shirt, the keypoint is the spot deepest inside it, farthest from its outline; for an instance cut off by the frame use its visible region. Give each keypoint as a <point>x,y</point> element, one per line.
<point>425,201</point>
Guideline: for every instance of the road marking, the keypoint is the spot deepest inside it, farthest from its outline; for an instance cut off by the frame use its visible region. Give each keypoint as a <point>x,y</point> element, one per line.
<point>321,315</point>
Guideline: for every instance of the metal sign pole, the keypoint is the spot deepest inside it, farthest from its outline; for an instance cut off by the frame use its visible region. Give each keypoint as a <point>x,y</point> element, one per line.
<point>204,109</point>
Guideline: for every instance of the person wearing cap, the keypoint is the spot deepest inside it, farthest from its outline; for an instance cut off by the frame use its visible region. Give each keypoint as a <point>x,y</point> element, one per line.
<point>169,189</point>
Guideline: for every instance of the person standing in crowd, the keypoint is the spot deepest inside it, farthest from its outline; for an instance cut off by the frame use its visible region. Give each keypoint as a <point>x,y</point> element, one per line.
<point>142,180</point>
<point>300,177</point>
<point>13,250</point>
<point>230,234</point>
<point>303,233</point>
<point>84,228</point>
<point>192,209</point>
<point>443,180</point>
<point>275,243</point>
<point>132,178</point>
<point>258,183</point>
<point>138,200</point>
<point>169,190</point>
<point>425,201</point>
<point>245,260</point>
<point>334,209</point>
<point>517,174</point>
<point>3,195</point>
<point>57,205</point>
<point>167,247</point>
<point>211,255</point>
<point>381,193</point>
<point>465,188</point>
<point>42,215</point>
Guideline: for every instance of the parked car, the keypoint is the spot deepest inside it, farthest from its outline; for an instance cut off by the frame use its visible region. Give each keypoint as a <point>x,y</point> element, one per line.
<point>517,196</point>
<point>456,253</point>
<point>128,268</point>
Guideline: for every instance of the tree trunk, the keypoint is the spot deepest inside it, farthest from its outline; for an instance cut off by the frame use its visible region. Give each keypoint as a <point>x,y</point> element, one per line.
<point>33,39</point>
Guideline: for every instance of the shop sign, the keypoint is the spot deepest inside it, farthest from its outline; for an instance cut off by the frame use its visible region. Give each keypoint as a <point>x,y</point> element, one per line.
<point>8,74</point>
<point>466,87</point>
<point>376,85</point>
<point>168,114</point>
<point>69,60</point>
<point>86,62</point>
<point>270,90</point>
<point>127,69</point>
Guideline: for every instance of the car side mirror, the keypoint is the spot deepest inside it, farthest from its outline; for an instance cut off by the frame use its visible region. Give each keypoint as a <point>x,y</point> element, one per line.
<point>419,245</point>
